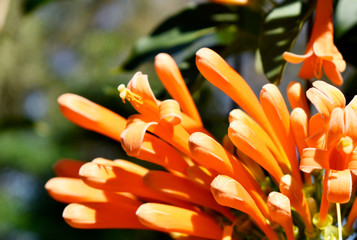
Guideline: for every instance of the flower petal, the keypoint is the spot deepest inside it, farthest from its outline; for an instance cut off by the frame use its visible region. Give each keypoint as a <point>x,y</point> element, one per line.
<point>298,120</point>
<point>274,106</point>
<point>91,116</point>
<point>132,137</point>
<point>295,58</point>
<point>228,192</point>
<point>352,164</point>
<point>351,124</point>
<point>102,215</point>
<point>154,150</point>
<point>122,176</point>
<point>245,119</point>
<point>68,168</point>
<point>216,70</point>
<point>251,145</point>
<point>313,159</point>
<point>294,192</point>
<point>183,189</point>
<point>336,128</point>
<point>280,212</point>
<point>173,82</point>
<point>170,112</point>
<point>325,97</point>
<point>211,154</point>
<point>168,218</point>
<point>297,97</point>
<point>69,190</point>
<point>200,175</point>
<point>339,187</point>
<point>139,85</point>
<point>333,73</point>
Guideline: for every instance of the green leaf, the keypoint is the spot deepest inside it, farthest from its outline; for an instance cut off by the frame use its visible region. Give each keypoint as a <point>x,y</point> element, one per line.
<point>30,5</point>
<point>183,34</point>
<point>280,29</point>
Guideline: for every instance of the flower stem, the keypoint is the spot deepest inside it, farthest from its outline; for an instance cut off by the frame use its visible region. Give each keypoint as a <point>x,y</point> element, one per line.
<point>338,210</point>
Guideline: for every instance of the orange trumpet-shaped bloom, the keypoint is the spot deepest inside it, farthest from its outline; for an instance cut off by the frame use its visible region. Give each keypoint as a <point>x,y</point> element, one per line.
<point>70,190</point>
<point>140,95</point>
<point>174,219</point>
<point>321,54</point>
<point>228,192</point>
<point>216,70</point>
<point>297,199</point>
<point>173,82</point>
<point>251,145</point>
<point>102,215</point>
<point>92,116</point>
<point>297,97</point>
<point>280,211</point>
<point>333,144</point>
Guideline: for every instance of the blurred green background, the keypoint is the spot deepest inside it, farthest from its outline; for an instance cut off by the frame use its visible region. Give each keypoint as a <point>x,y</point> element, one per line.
<point>48,48</point>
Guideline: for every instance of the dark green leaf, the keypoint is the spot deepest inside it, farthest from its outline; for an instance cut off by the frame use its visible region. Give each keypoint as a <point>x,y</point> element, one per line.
<point>280,29</point>
<point>183,34</point>
<point>30,5</point>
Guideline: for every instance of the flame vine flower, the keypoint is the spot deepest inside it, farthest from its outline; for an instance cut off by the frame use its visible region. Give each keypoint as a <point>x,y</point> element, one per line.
<point>321,55</point>
<point>246,187</point>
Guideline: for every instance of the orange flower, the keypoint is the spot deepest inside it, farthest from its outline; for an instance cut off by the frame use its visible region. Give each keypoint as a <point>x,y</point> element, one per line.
<point>321,54</point>
<point>333,145</point>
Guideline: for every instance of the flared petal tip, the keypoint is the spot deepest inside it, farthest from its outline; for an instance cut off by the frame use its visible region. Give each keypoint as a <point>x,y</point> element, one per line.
<point>295,58</point>
<point>162,58</point>
<point>78,216</point>
<point>204,52</point>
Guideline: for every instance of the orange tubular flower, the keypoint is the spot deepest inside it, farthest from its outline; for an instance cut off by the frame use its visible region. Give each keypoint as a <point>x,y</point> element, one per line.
<point>279,208</point>
<point>174,219</point>
<point>335,152</point>
<point>321,53</point>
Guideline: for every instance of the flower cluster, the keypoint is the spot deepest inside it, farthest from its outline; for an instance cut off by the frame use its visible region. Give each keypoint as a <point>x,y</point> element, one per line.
<point>204,182</point>
<point>272,164</point>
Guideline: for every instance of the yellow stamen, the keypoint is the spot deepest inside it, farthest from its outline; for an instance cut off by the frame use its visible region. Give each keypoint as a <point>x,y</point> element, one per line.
<point>345,144</point>
<point>125,93</point>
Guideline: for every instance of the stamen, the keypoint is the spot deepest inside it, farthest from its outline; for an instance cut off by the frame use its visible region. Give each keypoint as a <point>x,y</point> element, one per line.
<point>345,144</point>
<point>126,94</point>
<point>318,68</point>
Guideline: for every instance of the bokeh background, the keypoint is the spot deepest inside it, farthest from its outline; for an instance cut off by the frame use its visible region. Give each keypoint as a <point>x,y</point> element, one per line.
<point>50,47</point>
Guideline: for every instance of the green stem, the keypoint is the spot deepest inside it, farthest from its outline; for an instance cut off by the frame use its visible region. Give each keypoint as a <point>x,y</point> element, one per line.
<point>338,210</point>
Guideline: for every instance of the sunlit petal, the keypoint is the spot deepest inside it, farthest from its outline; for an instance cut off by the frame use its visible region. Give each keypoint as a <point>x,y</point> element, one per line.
<point>173,82</point>
<point>102,215</point>
<point>174,219</point>
<point>339,188</point>
<point>91,116</point>
<point>229,192</point>
<point>67,168</point>
<point>280,211</point>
